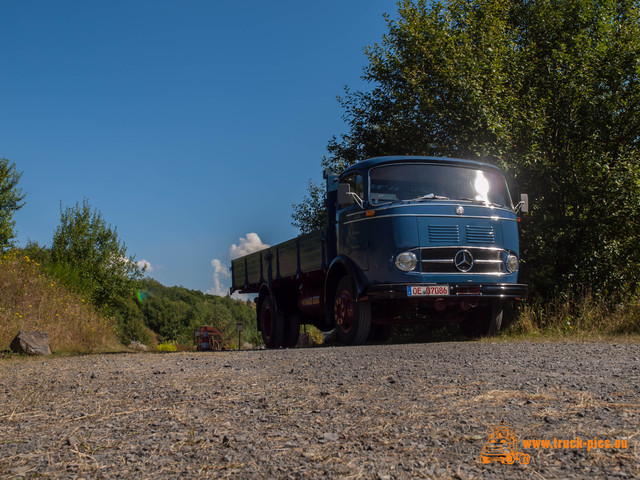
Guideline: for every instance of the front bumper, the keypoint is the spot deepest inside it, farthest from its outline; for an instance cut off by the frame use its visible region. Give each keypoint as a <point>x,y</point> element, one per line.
<point>515,291</point>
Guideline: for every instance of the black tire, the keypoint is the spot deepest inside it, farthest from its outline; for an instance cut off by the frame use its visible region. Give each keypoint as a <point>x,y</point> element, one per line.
<point>291,329</point>
<point>495,320</point>
<point>271,323</point>
<point>485,322</point>
<point>352,317</point>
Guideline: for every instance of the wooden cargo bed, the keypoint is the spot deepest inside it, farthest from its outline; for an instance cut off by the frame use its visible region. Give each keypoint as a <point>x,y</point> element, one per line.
<point>301,255</point>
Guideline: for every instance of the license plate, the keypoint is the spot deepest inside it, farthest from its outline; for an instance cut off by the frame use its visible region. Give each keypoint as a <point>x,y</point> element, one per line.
<point>427,290</point>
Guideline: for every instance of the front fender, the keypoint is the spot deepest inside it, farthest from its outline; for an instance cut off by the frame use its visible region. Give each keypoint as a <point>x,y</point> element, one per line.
<point>340,266</point>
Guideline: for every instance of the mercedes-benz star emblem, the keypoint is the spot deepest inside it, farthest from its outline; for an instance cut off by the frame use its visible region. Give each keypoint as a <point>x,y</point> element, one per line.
<point>463,260</point>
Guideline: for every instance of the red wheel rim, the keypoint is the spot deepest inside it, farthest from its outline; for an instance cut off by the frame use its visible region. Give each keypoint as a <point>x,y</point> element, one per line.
<point>344,310</point>
<point>267,324</point>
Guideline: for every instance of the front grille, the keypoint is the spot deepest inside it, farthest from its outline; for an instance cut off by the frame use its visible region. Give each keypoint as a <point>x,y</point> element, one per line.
<point>480,234</point>
<point>442,260</point>
<point>444,234</point>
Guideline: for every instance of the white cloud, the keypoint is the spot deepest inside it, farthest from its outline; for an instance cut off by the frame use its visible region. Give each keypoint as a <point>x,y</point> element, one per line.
<point>145,264</point>
<point>219,271</point>
<point>248,244</point>
<point>219,268</point>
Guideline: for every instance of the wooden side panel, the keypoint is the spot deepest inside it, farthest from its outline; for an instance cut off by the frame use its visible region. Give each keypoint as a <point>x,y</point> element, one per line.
<point>254,267</point>
<point>287,258</point>
<point>238,273</point>
<point>247,270</point>
<point>311,252</point>
<point>303,254</point>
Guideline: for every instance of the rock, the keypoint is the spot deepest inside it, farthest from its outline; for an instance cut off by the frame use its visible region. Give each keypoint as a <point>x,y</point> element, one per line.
<point>329,437</point>
<point>31,343</point>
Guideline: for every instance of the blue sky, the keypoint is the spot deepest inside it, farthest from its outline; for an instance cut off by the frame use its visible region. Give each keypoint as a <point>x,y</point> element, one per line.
<point>187,124</point>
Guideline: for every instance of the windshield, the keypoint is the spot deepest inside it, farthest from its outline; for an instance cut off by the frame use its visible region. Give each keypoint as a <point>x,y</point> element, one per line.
<point>406,182</point>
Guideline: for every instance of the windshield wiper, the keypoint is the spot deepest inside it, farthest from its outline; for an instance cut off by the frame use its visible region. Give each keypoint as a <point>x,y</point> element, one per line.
<point>480,202</point>
<point>430,196</point>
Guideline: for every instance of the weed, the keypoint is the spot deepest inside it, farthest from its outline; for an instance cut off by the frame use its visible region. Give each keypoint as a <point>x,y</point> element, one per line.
<point>32,300</point>
<point>167,347</point>
<point>571,315</point>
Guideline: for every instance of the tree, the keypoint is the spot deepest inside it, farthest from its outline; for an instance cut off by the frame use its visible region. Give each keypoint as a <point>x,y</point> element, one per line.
<point>175,312</point>
<point>11,198</point>
<point>84,242</point>
<point>311,214</point>
<point>547,89</point>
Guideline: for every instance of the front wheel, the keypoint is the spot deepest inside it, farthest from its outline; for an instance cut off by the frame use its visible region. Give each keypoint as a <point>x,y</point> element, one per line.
<point>352,317</point>
<point>484,322</point>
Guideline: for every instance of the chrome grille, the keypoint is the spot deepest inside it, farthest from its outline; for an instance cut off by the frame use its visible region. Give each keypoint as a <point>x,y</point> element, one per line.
<point>480,234</point>
<point>441,260</point>
<point>444,233</point>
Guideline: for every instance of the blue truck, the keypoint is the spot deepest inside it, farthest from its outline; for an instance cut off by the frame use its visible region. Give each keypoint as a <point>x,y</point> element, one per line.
<point>408,239</point>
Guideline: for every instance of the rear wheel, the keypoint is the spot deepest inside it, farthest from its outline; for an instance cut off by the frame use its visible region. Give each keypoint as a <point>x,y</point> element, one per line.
<point>352,317</point>
<point>272,324</point>
<point>291,329</point>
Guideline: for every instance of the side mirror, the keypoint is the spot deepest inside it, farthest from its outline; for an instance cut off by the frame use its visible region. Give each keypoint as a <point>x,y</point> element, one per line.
<point>344,198</point>
<point>347,197</point>
<point>523,205</point>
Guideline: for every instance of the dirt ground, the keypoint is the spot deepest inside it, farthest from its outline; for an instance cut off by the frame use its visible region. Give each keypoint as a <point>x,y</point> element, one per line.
<point>372,412</point>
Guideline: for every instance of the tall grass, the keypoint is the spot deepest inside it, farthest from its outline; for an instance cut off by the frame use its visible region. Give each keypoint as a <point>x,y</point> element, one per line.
<point>570,315</point>
<point>33,300</point>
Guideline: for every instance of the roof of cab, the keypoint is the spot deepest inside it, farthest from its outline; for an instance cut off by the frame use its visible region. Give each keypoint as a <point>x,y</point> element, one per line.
<point>376,161</point>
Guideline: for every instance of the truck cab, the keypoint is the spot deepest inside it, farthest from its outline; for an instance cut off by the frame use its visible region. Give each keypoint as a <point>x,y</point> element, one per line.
<point>425,239</point>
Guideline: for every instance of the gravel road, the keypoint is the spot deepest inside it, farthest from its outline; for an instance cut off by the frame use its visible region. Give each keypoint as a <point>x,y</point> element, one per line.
<point>373,412</point>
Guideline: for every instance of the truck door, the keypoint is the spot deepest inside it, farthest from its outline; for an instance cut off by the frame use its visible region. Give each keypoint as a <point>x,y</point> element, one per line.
<point>353,238</point>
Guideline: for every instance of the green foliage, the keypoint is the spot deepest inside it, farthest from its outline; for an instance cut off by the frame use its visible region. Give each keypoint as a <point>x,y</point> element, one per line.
<point>175,312</point>
<point>88,252</point>
<point>151,309</point>
<point>549,90</point>
<point>569,316</point>
<point>130,322</point>
<point>311,215</point>
<point>31,299</point>
<point>11,198</point>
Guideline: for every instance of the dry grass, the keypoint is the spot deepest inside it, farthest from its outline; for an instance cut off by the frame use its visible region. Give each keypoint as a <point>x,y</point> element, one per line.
<point>30,300</point>
<point>582,317</point>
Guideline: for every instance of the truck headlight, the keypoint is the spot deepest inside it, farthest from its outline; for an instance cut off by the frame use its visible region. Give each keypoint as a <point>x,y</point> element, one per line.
<point>406,261</point>
<point>511,263</point>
